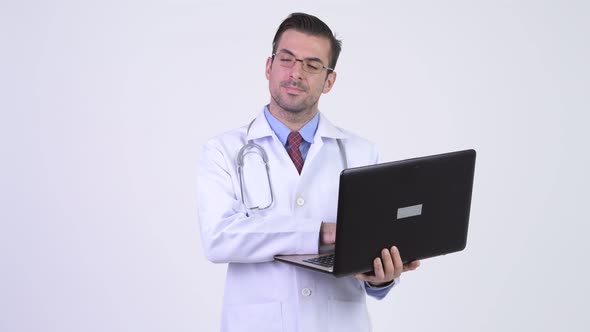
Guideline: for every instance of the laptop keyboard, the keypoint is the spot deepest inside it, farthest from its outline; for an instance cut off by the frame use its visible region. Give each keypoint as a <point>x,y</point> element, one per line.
<point>327,261</point>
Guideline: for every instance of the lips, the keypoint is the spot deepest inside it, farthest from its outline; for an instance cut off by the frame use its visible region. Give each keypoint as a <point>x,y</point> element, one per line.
<point>293,87</point>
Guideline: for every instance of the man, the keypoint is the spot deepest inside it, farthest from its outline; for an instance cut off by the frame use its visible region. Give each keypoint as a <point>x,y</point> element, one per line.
<point>292,211</point>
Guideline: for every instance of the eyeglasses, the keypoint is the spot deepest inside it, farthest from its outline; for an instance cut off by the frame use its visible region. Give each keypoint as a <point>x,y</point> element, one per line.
<point>309,65</point>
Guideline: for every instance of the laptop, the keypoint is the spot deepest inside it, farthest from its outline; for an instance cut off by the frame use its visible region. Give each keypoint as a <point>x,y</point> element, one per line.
<point>420,205</point>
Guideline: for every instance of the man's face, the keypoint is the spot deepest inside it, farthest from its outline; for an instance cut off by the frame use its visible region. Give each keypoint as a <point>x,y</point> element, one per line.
<point>293,89</point>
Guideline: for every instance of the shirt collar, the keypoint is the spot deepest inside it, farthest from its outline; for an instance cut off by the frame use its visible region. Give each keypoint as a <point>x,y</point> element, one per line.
<point>260,127</point>
<point>282,132</point>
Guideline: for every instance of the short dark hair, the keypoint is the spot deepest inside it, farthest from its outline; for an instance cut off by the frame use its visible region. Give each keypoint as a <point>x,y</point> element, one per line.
<point>311,25</point>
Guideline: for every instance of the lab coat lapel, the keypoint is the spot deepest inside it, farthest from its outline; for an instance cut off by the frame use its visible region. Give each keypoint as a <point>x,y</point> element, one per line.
<point>325,130</point>
<point>259,128</point>
<point>261,133</point>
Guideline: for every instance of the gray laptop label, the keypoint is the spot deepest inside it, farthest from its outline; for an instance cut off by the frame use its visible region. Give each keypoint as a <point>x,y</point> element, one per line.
<point>409,211</point>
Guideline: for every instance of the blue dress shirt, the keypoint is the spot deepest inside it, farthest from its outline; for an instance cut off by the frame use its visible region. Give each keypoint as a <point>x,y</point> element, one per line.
<point>282,132</point>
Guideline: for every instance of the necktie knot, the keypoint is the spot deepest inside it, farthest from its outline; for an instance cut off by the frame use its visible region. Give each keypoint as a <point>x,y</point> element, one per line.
<point>294,140</point>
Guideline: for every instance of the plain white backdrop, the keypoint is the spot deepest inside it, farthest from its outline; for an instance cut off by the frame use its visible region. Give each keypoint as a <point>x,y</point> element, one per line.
<point>105,105</point>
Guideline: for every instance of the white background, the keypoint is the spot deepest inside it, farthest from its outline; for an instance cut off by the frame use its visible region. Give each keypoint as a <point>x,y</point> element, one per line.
<point>105,106</point>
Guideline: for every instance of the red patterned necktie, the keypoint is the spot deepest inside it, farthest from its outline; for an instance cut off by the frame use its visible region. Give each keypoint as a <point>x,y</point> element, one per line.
<point>294,140</point>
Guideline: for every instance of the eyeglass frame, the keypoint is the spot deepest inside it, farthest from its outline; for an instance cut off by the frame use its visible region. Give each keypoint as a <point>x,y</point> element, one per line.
<point>303,62</point>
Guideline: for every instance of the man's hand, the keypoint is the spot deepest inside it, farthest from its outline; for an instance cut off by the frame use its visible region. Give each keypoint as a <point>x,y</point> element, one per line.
<point>327,233</point>
<point>387,267</point>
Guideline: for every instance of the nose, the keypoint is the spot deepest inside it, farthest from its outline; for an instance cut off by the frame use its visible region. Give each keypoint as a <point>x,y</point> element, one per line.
<point>297,69</point>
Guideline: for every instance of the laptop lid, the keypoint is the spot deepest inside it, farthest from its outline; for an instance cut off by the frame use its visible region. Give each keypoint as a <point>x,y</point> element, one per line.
<point>420,205</point>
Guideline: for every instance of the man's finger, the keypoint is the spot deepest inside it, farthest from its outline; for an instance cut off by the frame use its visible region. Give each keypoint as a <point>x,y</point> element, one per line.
<point>388,266</point>
<point>327,233</point>
<point>378,269</point>
<point>398,265</point>
<point>411,266</point>
<point>363,277</point>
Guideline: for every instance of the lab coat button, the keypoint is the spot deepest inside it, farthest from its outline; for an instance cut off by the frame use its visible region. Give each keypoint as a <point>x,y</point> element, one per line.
<point>306,292</point>
<point>300,201</point>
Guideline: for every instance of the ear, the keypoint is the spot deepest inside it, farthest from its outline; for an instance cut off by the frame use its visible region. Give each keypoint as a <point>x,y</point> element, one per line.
<point>329,83</point>
<point>268,67</point>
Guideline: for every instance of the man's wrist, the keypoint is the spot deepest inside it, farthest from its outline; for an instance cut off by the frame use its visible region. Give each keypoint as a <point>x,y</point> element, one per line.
<point>383,285</point>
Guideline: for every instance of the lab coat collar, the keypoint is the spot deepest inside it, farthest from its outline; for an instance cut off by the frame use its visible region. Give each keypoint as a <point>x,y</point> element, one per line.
<point>328,130</point>
<point>260,128</point>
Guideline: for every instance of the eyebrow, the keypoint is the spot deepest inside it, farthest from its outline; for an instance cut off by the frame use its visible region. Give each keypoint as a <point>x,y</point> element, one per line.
<point>284,50</point>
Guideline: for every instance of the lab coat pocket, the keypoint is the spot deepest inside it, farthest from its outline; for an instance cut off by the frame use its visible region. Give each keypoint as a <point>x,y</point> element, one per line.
<point>349,316</point>
<point>262,317</point>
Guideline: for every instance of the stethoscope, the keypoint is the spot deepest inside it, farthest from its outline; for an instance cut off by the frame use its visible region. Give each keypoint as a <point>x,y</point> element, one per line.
<point>251,147</point>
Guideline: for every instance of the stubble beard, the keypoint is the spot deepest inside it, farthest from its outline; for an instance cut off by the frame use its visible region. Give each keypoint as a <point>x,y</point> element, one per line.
<point>307,105</point>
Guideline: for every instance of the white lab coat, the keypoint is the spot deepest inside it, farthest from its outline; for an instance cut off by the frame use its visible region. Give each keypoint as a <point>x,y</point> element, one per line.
<point>261,294</point>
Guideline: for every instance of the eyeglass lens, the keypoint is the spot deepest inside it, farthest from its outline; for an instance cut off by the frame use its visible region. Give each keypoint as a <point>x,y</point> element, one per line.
<point>310,66</point>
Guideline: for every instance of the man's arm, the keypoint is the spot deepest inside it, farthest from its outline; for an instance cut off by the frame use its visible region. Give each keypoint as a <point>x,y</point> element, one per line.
<point>230,235</point>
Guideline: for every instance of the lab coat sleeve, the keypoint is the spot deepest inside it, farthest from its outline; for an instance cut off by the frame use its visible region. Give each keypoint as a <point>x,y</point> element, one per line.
<point>228,234</point>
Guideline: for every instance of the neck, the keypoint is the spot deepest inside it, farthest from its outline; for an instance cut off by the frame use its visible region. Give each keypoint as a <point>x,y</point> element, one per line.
<point>293,120</point>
